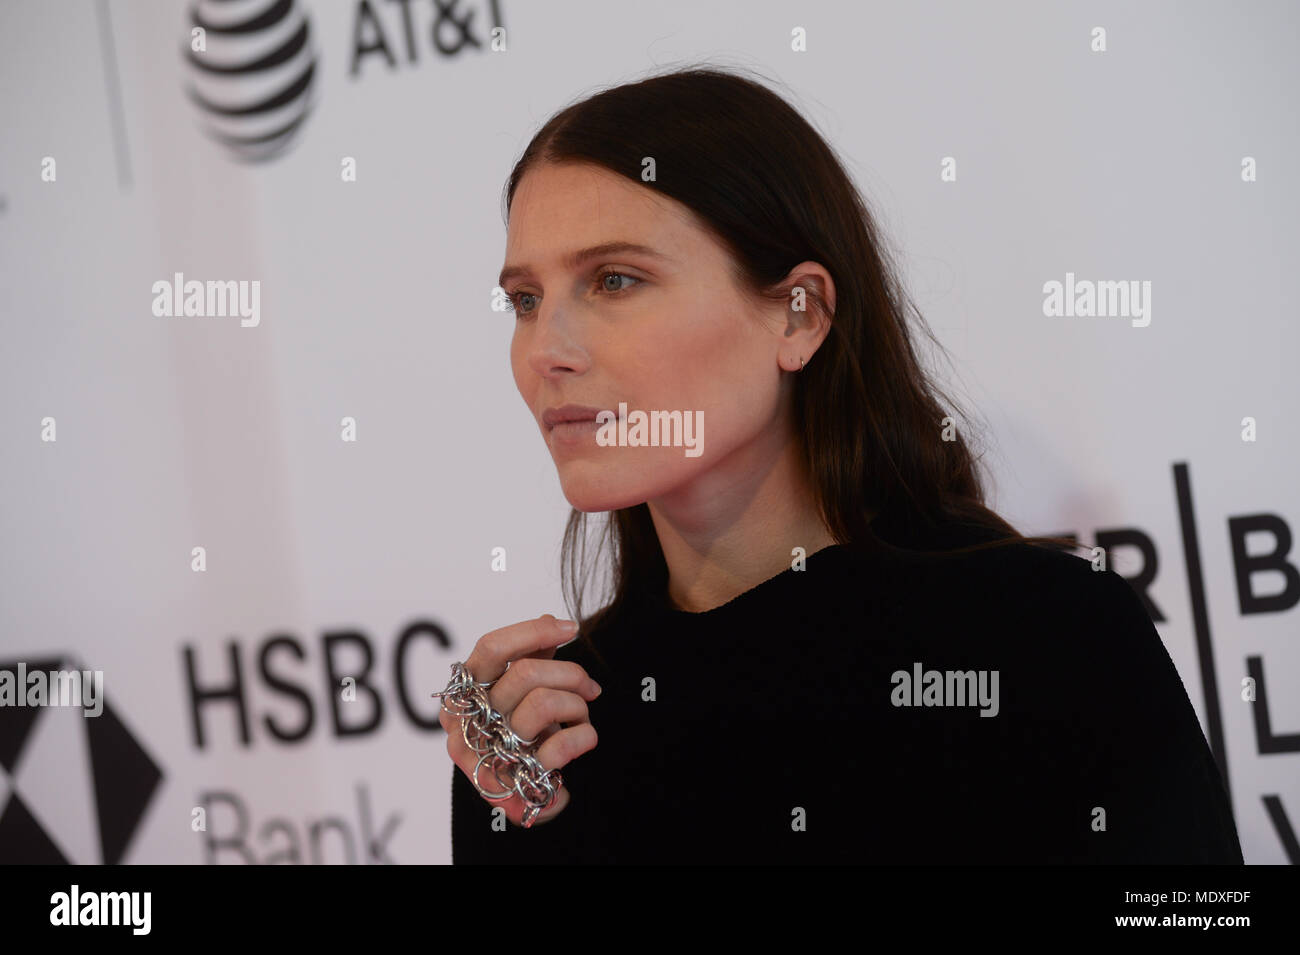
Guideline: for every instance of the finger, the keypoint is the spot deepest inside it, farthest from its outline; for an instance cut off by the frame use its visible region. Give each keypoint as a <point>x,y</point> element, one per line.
<point>449,723</point>
<point>456,746</point>
<point>556,752</point>
<point>528,673</point>
<point>561,800</point>
<point>546,653</point>
<point>496,649</point>
<point>537,716</point>
<point>544,706</point>
<point>567,745</point>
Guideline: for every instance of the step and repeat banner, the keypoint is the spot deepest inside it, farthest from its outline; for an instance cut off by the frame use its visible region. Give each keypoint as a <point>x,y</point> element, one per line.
<point>266,473</point>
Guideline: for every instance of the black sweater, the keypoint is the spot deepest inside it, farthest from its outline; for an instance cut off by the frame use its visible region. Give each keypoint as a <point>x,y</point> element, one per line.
<point>777,732</point>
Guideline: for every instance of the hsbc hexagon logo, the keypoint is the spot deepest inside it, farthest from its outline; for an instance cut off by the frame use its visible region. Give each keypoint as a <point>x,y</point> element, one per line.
<point>73,788</point>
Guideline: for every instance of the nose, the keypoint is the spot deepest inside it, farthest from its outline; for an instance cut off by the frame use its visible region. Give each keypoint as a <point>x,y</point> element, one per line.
<point>554,348</point>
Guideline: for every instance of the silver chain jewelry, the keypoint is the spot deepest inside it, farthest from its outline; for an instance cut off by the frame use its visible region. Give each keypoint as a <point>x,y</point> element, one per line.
<point>486,733</point>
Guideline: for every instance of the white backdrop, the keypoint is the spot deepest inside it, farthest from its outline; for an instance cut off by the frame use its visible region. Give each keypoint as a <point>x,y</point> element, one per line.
<point>1167,157</point>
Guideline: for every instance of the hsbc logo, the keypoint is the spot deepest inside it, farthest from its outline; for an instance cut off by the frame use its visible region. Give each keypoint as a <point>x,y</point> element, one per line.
<point>51,755</point>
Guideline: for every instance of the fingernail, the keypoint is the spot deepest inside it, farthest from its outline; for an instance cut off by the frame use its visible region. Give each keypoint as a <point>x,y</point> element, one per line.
<point>595,692</point>
<point>568,626</point>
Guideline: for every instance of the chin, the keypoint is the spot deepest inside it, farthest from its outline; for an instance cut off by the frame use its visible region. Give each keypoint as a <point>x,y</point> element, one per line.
<point>591,502</point>
<point>601,492</point>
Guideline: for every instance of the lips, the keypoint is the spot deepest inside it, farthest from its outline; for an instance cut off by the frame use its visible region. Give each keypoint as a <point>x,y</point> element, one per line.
<point>553,416</point>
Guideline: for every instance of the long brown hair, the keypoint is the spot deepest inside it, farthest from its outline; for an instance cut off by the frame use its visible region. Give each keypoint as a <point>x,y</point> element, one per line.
<point>868,419</point>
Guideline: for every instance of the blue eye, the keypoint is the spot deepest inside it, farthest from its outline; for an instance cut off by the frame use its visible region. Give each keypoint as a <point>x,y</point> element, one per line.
<point>612,274</point>
<point>514,301</point>
<point>511,306</point>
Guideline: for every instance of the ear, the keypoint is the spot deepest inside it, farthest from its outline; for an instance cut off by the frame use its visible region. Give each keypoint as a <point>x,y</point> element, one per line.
<point>811,305</point>
<point>816,283</point>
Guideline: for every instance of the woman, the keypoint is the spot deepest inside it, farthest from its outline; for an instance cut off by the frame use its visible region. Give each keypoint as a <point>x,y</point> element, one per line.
<point>822,645</point>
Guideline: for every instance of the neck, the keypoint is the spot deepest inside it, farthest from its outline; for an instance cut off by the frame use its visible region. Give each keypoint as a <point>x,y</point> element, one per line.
<point>735,527</point>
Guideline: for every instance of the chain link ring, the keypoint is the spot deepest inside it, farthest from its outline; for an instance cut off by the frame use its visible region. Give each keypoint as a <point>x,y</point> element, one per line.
<point>488,735</point>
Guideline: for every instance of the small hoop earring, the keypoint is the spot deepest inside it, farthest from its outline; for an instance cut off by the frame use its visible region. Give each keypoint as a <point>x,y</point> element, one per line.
<point>801,363</point>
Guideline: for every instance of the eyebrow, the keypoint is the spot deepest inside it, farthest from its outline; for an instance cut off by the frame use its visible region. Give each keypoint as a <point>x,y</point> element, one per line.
<point>575,259</point>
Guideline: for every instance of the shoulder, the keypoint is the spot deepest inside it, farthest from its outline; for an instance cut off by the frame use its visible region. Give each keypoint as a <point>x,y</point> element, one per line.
<point>1075,641</point>
<point>1075,596</point>
<point>1016,580</point>
<point>1066,631</point>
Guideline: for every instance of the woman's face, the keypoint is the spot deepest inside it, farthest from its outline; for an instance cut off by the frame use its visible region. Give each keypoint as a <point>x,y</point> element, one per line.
<point>659,330</point>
